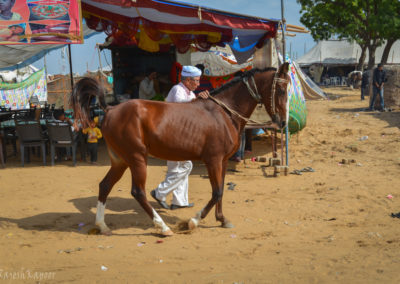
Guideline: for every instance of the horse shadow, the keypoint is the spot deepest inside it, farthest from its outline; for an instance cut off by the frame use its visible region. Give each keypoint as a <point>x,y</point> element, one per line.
<point>126,213</point>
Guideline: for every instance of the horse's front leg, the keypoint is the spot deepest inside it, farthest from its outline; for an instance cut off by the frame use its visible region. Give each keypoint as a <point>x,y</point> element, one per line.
<point>218,207</point>
<point>215,173</point>
<point>139,171</point>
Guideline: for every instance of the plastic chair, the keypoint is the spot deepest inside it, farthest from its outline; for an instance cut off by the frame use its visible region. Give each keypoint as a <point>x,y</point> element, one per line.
<point>30,135</point>
<point>60,136</point>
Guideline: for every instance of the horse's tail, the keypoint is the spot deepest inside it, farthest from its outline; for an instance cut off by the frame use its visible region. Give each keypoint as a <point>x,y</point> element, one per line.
<point>82,94</point>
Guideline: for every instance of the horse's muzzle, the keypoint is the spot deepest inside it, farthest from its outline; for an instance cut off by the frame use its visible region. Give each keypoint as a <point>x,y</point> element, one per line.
<point>277,119</point>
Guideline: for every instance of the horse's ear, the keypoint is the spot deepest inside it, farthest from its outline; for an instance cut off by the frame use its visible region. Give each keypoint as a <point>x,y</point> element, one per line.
<point>284,68</point>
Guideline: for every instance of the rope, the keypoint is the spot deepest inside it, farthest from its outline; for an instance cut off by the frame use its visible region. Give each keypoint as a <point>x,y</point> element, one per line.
<point>248,121</point>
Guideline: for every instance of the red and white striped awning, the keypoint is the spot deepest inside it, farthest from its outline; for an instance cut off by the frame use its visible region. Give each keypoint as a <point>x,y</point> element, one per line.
<point>154,25</point>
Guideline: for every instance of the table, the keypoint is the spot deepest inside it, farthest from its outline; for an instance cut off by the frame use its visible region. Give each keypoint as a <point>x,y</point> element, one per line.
<point>11,123</point>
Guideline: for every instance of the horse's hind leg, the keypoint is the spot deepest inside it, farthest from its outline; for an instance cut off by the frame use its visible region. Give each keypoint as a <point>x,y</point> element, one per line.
<point>114,174</point>
<point>139,171</point>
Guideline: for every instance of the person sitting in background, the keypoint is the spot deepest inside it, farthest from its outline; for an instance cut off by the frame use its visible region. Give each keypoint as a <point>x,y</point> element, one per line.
<point>146,86</point>
<point>93,136</point>
<point>59,115</point>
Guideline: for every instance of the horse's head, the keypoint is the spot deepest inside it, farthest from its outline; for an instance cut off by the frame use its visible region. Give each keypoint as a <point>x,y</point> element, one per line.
<point>276,103</point>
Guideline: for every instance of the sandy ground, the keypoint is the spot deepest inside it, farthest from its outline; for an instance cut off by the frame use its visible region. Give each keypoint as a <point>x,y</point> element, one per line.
<point>333,225</point>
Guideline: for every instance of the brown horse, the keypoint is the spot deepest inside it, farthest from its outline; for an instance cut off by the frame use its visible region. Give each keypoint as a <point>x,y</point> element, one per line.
<point>198,130</point>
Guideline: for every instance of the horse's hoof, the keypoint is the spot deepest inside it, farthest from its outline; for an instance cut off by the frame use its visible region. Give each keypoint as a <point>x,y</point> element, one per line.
<point>167,233</point>
<point>192,224</point>
<point>227,225</point>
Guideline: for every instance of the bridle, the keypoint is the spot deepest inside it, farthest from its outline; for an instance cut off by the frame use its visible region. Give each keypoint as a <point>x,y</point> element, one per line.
<point>254,93</point>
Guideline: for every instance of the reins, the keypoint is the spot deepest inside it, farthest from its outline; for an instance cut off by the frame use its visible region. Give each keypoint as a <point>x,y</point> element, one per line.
<point>255,95</point>
<point>233,111</point>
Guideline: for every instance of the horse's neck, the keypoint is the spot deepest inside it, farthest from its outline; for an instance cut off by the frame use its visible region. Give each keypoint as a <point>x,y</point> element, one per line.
<point>238,99</point>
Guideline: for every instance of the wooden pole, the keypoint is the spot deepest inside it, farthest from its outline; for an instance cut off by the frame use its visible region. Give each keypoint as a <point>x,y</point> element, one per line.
<point>45,64</point>
<point>284,60</point>
<point>101,67</point>
<point>283,31</point>
<point>70,71</point>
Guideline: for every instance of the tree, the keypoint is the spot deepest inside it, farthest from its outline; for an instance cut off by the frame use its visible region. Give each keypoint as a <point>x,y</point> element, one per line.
<point>391,28</point>
<point>358,20</point>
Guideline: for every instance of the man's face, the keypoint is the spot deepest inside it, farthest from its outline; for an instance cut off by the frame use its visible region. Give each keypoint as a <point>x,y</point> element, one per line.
<point>6,5</point>
<point>380,68</point>
<point>151,76</point>
<point>192,83</point>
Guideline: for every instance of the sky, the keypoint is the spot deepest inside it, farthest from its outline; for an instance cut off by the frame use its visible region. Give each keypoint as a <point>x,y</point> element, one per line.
<point>85,56</point>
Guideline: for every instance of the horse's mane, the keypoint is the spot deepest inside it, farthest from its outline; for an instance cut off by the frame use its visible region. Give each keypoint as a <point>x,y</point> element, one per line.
<point>239,78</point>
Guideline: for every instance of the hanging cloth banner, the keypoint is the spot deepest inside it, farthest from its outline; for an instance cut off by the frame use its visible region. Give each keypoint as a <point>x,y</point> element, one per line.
<point>40,22</point>
<point>17,95</point>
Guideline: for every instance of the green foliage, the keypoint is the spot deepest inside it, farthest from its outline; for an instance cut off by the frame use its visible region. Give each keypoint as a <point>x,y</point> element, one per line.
<point>360,20</point>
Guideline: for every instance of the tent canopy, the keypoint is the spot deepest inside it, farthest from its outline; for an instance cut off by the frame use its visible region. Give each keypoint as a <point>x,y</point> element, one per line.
<point>154,25</point>
<point>341,52</point>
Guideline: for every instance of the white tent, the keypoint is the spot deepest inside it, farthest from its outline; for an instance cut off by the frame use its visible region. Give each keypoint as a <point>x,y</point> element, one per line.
<point>340,52</point>
<point>218,61</point>
<point>17,75</point>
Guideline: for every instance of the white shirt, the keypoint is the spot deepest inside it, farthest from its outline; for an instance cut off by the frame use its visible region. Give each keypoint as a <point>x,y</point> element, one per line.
<point>180,94</point>
<point>146,89</point>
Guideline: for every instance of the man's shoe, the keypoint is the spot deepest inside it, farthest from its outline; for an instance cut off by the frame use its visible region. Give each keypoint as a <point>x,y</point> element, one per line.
<point>173,206</point>
<point>163,204</point>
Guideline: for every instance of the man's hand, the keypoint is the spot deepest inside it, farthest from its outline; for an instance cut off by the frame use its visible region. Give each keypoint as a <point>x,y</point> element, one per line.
<point>204,95</point>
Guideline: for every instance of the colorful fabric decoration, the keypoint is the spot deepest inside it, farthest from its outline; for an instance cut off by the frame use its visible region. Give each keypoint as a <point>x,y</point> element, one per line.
<point>17,95</point>
<point>297,103</point>
<point>155,25</point>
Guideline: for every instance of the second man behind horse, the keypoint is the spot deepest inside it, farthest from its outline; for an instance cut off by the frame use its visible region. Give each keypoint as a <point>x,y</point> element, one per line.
<point>177,177</point>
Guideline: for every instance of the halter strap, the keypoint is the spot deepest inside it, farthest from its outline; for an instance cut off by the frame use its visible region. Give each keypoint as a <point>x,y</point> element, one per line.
<point>254,93</point>
<point>276,79</point>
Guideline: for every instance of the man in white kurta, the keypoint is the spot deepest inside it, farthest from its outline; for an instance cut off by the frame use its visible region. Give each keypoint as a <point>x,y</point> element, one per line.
<point>177,177</point>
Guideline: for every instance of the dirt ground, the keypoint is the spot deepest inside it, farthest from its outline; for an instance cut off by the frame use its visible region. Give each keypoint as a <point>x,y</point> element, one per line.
<point>333,225</point>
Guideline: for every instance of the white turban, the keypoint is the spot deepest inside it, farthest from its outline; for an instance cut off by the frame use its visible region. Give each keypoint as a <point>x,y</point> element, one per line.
<point>190,71</point>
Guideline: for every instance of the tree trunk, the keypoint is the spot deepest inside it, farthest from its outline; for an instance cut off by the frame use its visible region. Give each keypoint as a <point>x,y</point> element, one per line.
<point>386,51</point>
<point>371,51</point>
<point>361,61</point>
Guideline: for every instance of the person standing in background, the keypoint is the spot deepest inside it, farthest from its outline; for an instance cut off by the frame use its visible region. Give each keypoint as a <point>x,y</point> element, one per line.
<point>94,134</point>
<point>364,84</point>
<point>378,80</point>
